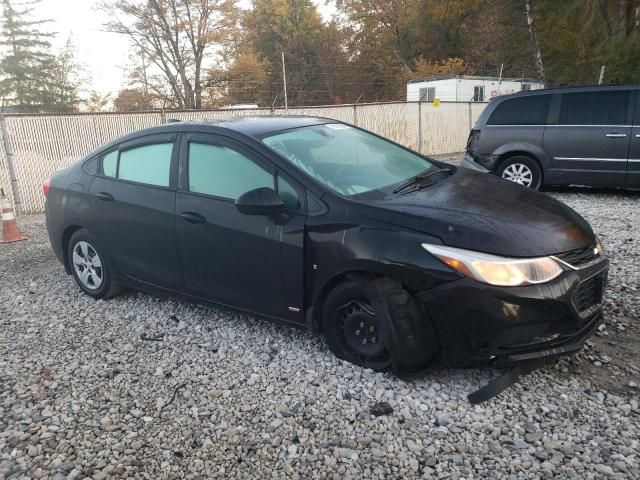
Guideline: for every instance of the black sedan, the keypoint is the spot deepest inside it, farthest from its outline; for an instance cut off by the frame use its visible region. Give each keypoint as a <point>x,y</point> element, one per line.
<point>397,259</point>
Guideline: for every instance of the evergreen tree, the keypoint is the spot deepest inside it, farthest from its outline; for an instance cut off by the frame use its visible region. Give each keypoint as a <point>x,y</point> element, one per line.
<point>24,79</point>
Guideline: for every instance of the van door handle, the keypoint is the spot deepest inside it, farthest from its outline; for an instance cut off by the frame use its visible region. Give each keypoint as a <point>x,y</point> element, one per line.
<point>104,196</point>
<point>616,135</point>
<point>637,135</point>
<point>193,217</point>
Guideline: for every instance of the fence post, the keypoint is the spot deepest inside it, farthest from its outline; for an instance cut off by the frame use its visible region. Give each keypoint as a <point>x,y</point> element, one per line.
<point>17,205</point>
<point>355,110</point>
<point>420,126</point>
<point>470,115</point>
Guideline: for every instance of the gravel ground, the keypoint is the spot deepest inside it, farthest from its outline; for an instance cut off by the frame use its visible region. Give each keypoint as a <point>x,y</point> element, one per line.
<point>147,387</point>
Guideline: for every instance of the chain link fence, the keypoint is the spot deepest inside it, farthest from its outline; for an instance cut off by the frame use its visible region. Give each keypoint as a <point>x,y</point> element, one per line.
<point>41,144</point>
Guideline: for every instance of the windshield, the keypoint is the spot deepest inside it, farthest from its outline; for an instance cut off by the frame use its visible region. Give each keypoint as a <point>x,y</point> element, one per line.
<point>345,159</point>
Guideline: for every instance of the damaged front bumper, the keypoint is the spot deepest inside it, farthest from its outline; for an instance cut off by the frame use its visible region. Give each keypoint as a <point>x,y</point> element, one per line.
<point>479,324</point>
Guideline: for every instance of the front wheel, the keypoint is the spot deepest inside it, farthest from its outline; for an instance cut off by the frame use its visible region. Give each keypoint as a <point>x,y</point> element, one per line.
<point>523,171</point>
<point>90,265</point>
<point>351,328</point>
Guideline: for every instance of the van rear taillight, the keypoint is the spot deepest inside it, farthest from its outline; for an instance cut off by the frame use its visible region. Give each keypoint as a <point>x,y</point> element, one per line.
<point>45,187</point>
<point>474,134</point>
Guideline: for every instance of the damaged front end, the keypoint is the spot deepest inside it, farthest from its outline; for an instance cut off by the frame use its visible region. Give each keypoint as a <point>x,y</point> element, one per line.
<point>463,323</point>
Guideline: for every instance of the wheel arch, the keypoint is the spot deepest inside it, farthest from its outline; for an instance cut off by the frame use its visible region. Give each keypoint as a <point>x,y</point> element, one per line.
<point>314,312</point>
<point>530,150</point>
<point>66,238</point>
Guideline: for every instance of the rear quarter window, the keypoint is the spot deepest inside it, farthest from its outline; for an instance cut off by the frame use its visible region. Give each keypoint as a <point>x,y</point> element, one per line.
<point>91,167</point>
<point>529,110</point>
<point>110,164</point>
<point>595,108</point>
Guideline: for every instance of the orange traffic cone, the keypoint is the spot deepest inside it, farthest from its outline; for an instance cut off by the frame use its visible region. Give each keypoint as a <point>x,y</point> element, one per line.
<point>10,231</point>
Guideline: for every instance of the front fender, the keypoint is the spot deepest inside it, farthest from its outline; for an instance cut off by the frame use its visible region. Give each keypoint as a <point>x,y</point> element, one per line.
<point>340,250</point>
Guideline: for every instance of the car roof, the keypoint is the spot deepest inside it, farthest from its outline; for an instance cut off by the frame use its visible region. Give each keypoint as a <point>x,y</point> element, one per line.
<point>255,126</point>
<point>252,126</point>
<point>567,89</point>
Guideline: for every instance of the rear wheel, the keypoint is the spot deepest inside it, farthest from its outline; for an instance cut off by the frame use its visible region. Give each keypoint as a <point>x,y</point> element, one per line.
<point>90,265</point>
<point>351,328</point>
<point>522,170</point>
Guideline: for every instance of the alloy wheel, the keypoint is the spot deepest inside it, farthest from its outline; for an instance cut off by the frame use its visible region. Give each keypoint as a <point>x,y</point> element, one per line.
<point>88,265</point>
<point>518,173</point>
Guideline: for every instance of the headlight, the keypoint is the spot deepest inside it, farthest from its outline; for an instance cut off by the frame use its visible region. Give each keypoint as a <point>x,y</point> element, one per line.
<point>495,270</point>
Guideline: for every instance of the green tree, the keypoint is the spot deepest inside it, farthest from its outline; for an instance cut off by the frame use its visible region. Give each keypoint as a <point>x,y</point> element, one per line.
<point>294,27</point>
<point>24,82</point>
<point>66,81</point>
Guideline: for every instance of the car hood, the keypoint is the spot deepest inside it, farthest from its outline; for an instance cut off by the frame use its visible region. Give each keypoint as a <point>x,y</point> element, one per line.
<point>488,214</point>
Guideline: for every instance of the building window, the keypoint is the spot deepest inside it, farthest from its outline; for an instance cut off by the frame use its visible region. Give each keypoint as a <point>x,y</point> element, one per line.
<point>478,94</point>
<point>526,87</point>
<point>427,94</point>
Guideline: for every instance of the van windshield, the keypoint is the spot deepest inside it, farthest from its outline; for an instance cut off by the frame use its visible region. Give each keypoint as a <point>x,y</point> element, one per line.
<point>346,159</point>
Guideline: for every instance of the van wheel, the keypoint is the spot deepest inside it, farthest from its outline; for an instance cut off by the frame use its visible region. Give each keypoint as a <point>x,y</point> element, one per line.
<point>91,265</point>
<point>351,328</point>
<point>522,170</point>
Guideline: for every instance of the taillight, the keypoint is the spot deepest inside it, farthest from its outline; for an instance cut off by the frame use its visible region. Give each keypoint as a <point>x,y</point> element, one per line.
<point>473,135</point>
<point>45,187</point>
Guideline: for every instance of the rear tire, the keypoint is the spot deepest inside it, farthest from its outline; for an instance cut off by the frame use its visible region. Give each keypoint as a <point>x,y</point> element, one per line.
<point>91,265</point>
<point>351,328</point>
<point>522,170</point>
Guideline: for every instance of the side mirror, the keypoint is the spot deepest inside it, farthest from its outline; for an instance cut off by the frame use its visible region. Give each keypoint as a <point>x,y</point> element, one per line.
<point>261,201</point>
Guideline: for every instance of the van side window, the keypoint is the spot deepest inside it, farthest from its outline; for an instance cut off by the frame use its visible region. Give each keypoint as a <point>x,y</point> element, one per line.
<point>530,110</point>
<point>150,164</point>
<point>594,108</point>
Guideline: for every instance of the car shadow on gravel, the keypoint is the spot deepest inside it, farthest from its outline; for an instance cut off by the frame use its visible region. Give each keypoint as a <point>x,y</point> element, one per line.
<point>591,190</point>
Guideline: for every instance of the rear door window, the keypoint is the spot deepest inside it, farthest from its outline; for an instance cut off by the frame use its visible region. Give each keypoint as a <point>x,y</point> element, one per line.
<point>594,108</point>
<point>529,110</point>
<point>150,164</point>
<point>223,172</point>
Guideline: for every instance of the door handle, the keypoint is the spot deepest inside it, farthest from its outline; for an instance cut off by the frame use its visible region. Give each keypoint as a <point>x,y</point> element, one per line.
<point>193,217</point>
<point>637,135</point>
<point>104,196</point>
<point>616,135</point>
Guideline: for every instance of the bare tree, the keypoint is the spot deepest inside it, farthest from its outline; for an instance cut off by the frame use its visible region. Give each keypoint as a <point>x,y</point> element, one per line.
<point>535,45</point>
<point>176,36</point>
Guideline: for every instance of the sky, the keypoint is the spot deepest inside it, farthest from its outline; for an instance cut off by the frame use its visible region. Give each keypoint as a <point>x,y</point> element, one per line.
<point>104,55</point>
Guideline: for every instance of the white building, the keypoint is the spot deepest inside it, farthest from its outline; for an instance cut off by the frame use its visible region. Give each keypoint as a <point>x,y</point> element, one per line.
<point>464,88</point>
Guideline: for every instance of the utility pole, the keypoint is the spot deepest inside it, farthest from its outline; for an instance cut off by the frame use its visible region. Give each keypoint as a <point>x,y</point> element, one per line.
<point>533,38</point>
<point>601,79</point>
<point>284,81</point>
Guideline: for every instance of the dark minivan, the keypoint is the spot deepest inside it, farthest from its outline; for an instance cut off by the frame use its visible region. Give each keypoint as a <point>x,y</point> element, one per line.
<point>578,135</point>
<point>399,260</point>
